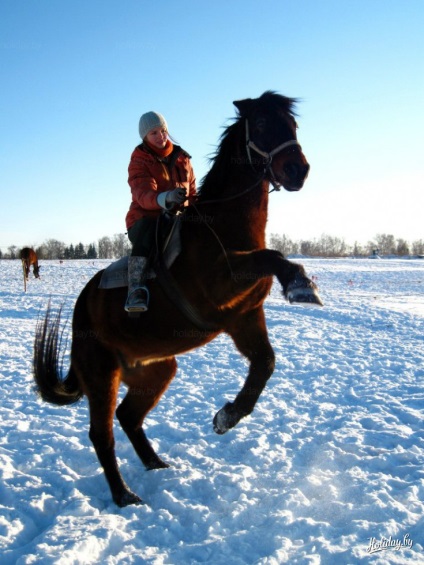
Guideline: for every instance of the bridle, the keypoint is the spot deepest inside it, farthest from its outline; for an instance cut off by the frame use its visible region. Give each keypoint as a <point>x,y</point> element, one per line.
<point>268,156</point>
<point>267,169</point>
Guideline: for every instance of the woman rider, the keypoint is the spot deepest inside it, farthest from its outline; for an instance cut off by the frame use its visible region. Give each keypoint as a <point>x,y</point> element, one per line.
<point>161,178</point>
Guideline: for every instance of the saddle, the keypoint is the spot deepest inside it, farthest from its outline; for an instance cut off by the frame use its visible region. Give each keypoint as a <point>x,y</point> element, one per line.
<point>169,247</point>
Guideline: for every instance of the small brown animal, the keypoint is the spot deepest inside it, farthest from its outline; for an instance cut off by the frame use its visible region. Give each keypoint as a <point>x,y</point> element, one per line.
<point>28,258</point>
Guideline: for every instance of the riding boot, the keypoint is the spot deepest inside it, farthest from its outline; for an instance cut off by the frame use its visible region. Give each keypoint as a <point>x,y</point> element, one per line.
<point>138,294</point>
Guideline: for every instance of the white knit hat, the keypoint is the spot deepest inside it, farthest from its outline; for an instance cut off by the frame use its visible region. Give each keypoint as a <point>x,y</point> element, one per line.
<point>149,121</point>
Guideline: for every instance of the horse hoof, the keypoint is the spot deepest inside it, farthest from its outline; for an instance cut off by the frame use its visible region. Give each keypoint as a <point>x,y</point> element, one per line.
<point>304,291</point>
<point>157,464</point>
<point>226,419</point>
<point>128,498</point>
<point>304,296</point>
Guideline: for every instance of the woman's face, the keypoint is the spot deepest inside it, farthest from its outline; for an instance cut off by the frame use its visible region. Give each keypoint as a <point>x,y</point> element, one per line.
<point>157,137</point>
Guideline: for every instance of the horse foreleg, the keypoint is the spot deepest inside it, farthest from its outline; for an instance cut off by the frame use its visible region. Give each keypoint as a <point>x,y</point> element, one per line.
<point>248,267</point>
<point>146,383</point>
<point>251,339</point>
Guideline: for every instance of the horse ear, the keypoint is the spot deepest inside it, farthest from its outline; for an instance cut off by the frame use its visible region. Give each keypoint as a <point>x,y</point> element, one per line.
<point>243,106</point>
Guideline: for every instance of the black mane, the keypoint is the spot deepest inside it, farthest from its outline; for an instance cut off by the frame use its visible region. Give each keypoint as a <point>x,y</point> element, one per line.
<point>270,101</point>
<point>220,162</point>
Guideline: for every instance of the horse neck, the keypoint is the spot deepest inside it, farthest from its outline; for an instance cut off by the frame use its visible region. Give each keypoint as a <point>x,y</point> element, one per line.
<point>233,195</point>
<point>238,217</point>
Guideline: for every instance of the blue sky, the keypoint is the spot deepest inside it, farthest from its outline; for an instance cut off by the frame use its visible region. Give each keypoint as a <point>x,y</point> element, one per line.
<point>77,75</point>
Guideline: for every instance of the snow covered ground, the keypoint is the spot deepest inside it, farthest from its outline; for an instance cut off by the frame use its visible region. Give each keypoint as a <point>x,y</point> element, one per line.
<point>329,469</point>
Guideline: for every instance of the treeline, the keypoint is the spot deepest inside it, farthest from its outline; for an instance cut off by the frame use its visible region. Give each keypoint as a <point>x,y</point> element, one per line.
<point>325,246</point>
<point>107,248</point>
<point>330,246</point>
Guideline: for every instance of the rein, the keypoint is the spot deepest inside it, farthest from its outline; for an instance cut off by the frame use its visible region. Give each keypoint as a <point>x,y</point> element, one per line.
<point>268,167</point>
<point>234,196</point>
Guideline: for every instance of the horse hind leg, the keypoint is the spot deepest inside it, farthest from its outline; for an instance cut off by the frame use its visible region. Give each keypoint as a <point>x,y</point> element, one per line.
<point>101,383</point>
<point>146,384</point>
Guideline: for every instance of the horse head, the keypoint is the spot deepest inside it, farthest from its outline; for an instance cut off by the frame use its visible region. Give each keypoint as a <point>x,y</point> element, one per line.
<point>36,270</point>
<point>271,140</point>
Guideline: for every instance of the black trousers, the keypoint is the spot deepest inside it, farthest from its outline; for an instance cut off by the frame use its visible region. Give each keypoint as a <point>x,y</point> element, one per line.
<point>142,236</point>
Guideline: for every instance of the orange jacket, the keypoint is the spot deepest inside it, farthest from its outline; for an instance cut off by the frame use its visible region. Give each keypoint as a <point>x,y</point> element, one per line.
<point>149,175</point>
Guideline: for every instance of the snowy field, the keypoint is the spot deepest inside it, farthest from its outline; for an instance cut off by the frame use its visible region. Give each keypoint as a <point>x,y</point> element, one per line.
<point>329,469</point>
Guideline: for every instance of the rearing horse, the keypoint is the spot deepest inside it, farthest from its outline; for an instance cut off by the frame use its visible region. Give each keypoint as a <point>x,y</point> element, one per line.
<point>224,271</point>
<point>29,257</point>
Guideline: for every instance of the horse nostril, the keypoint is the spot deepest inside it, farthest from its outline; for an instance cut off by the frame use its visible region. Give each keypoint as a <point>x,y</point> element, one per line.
<point>295,171</point>
<point>291,170</point>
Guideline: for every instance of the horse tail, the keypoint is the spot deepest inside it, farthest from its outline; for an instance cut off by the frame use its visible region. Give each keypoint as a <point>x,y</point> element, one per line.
<point>48,363</point>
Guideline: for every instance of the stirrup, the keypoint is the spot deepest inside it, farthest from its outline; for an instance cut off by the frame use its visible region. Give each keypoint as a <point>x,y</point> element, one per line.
<point>137,300</point>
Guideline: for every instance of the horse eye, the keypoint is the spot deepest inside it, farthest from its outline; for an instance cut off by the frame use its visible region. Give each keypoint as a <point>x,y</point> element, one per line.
<point>260,124</point>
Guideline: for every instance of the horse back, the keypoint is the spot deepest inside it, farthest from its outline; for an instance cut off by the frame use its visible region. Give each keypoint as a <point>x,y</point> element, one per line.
<point>29,257</point>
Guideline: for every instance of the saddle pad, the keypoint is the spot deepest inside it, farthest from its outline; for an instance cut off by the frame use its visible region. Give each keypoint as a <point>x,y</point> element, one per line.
<point>116,274</point>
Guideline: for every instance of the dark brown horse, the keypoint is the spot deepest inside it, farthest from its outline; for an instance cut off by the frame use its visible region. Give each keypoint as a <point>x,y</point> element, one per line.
<point>224,271</point>
<point>29,257</point>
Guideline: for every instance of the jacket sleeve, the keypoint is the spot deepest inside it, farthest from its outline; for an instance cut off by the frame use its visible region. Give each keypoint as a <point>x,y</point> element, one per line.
<point>143,185</point>
<point>188,176</point>
<point>192,183</point>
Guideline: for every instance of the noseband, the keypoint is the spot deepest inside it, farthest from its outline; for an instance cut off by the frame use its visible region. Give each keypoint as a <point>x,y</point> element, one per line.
<point>268,156</point>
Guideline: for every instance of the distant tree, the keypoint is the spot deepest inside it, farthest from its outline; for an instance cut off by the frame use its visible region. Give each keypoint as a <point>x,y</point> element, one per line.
<point>80,251</point>
<point>330,246</point>
<point>12,251</point>
<point>54,249</point>
<point>105,248</point>
<point>121,246</point>
<point>69,252</point>
<point>91,252</point>
<point>418,247</point>
<point>307,247</point>
<point>402,247</point>
<point>358,250</point>
<point>41,251</point>
<point>283,244</point>
<point>385,243</point>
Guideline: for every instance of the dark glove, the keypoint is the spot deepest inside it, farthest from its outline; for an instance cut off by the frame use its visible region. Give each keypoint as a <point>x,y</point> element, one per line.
<point>176,196</point>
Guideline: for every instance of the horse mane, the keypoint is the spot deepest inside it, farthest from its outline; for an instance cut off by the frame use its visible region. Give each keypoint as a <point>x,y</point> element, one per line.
<point>278,103</point>
<point>220,162</point>
<point>225,154</point>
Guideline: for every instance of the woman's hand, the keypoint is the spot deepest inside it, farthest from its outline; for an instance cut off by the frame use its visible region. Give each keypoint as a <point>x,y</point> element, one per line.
<point>176,196</point>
